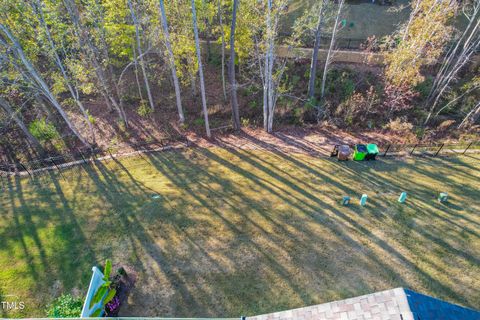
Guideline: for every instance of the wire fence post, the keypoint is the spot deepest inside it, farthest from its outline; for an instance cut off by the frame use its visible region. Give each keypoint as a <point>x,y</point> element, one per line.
<point>58,168</point>
<point>3,183</point>
<point>439,149</point>
<point>25,168</point>
<point>386,151</point>
<point>84,160</point>
<point>468,147</point>
<point>81,154</point>
<point>414,147</point>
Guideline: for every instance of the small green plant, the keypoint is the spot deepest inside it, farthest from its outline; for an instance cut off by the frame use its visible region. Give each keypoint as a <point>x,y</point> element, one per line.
<point>59,145</point>
<point>253,105</point>
<point>340,84</point>
<point>215,59</point>
<point>250,90</point>
<point>91,119</point>
<point>105,293</point>
<point>144,110</point>
<point>199,122</point>
<point>311,103</point>
<point>130,99</point>
<point>70,102</point>
<point>65,306</point>
<point>423,88</point>
<point>419,132</point>
<point>298,115</point>
<point>121,126</point>
<point>42,130</point>
<point>245,122</point>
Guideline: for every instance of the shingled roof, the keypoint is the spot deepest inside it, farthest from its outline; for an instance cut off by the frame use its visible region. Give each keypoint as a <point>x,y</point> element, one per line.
<point>394,304</point>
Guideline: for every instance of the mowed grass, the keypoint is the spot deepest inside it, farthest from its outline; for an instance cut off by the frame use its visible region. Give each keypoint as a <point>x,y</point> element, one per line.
<point>363,18</point>
<point>240,232</point>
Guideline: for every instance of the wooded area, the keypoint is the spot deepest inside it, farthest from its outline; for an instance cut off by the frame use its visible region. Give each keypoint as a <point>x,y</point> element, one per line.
<point>69,68</point>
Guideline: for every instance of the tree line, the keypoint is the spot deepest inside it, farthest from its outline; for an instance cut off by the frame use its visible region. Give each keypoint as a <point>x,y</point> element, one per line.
<point>55,53</point>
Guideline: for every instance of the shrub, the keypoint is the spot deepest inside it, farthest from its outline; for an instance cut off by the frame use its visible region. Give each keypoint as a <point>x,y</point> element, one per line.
<point>340,84</point>
<point>42,130</point>
<point>445,125</point>
<point>424,87</point>
<point>399,98</point>
<point>65,306</point>
<point>305,112</point>
<point>251,90</point>
<point>374,44</point>
<point>359,108</point>
<point>420,132</point>
<point>144,110</point>
<point>370,45</point>
<point>199,122</point>
<point>245,122</point>
<point>215,59</point>
<point>253,104</point>
<point>130,99</point>
<point>399,125</point>
<point>298,114</point>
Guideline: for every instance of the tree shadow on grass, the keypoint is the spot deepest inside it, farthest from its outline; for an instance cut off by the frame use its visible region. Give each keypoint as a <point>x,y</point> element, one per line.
<point>52,242</point>
<point>428,280</point>
<point>275,265</point>
<point>235,232</point>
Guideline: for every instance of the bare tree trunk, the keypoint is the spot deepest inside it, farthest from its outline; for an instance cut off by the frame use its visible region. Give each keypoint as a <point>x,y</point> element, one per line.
<point>220,15</point>
<point>11,113</point>
<point>313,65</point>
<point>73,91</point>
<point>331,48</point>
<point>208,30</point>
<point>268,75</point>
<point>42,105</point>
<point>456,99</point>
<point>472,117</point>
<point>193,84</point>
<point>137,80</point>
<point>92,54</point>
<point>269,87</point>
<point>171,61</point>
<point>457,57</point>
<point>142,61</point>
<point>410,19</point>
<point>233,83</point>
<point>41,83</point>
<point>200,70</point>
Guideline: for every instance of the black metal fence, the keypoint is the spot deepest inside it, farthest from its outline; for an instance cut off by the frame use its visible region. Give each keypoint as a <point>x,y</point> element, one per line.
<point>80,157</point>
<point>432,150</point>
<point>341,43</point>
<point>77,160</point>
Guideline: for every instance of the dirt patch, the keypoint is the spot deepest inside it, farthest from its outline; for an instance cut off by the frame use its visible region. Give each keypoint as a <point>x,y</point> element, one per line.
<point>306,140</point>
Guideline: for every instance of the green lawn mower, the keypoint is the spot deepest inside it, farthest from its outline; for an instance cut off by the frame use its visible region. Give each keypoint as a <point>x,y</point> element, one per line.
<point>360,152</point>
<point>372,151</point>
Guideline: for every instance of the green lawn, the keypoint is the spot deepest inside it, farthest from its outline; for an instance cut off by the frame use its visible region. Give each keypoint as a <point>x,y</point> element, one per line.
<point>364,18</point>
<point>243,232</point>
